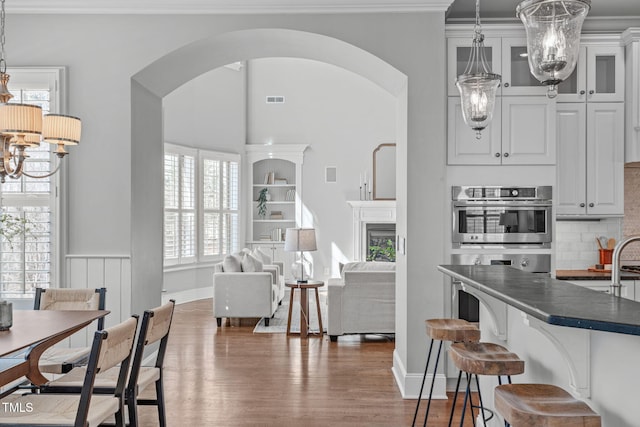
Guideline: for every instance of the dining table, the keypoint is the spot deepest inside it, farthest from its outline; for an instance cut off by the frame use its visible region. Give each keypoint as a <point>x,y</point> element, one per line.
<point>34,331</point>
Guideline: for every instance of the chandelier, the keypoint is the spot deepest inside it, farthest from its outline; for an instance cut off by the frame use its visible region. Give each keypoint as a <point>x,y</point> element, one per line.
<point>477,85</point>
<point>22,126</point>
<point>553,38</point>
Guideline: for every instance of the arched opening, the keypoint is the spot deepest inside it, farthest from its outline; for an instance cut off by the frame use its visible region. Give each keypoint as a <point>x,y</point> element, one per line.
<point>154,82</point>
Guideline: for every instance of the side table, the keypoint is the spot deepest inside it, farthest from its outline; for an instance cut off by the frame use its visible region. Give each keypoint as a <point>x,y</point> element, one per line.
<point>304,305</point>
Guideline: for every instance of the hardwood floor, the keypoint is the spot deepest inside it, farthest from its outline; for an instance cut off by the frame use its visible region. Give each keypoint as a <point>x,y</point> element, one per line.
<point>231,377</point>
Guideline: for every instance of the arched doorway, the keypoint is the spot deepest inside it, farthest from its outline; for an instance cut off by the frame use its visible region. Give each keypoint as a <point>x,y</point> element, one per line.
<point>151,84</point>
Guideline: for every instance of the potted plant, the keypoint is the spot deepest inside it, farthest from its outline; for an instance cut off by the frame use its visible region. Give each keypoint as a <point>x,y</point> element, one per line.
<point>262,202</point>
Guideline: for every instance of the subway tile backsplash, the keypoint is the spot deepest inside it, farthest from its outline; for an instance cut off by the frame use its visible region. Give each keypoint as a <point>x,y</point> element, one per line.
<point>576,247</point>
<point>631,211</point>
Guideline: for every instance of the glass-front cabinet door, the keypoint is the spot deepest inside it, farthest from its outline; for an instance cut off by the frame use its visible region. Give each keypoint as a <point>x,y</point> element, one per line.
<point>458,50</point>
<point>598,77</point>
<point>516,77</point>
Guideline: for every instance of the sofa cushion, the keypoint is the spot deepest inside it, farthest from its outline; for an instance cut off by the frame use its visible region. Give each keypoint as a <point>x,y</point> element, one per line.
<point>369,266</point>
<point>262,256</point>
<point>251,263</point>
<point>232,264</point>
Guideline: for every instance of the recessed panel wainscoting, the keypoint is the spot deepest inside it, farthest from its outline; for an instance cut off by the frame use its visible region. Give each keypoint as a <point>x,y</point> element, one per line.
<point>96,271</point>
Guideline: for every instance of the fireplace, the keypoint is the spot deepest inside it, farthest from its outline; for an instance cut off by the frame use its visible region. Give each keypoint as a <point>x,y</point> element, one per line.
<point>379,216</point>
<point>381,242</point>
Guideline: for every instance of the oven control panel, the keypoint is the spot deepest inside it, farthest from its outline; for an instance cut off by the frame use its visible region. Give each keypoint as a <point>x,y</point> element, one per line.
<point>531,262</point>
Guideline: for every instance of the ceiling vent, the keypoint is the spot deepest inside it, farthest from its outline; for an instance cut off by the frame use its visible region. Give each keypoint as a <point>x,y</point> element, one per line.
<point>275,99</point>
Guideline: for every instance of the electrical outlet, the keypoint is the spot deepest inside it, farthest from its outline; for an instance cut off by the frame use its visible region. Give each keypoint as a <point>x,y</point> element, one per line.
<point>327,271</point>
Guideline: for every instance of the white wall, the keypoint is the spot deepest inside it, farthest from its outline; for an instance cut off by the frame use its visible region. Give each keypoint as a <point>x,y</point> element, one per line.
<point>342,117</point>
<point>208,112</point>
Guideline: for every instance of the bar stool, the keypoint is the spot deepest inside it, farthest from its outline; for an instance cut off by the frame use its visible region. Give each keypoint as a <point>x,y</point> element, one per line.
<point>455,330</point>
<point>482,358</point>
<point>544,405</point>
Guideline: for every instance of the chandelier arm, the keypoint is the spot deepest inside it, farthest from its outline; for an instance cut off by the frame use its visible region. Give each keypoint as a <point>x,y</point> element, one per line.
<point>43,176</point>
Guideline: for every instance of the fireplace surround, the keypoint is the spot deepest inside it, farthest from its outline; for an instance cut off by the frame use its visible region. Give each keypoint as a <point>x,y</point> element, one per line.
<point>380,216</point>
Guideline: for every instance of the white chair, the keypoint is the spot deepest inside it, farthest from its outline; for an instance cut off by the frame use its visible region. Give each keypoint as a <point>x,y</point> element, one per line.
<point>244,294</point>
<point>110,347</point>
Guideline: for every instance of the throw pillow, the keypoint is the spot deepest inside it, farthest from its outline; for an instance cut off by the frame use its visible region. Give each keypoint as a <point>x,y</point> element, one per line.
<point>262,256</point>
<point>232,264</point>
<point>251,264</point>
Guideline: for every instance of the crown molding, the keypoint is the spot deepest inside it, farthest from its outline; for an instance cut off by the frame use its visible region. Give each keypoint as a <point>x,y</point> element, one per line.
<point>188,7</point>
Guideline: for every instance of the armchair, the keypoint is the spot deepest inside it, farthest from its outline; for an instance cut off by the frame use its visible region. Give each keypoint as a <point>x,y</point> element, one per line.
<point>244,294</point>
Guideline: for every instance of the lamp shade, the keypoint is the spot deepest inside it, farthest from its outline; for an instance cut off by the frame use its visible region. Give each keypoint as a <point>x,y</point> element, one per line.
<point>61,129</point>
<point>553,37</point>
<point>20,119</point>
<point>300,239</point>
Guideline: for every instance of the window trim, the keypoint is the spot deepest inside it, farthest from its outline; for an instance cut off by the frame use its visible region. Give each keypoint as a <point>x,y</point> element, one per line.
<point>57,79</point>
<point>200,155</point>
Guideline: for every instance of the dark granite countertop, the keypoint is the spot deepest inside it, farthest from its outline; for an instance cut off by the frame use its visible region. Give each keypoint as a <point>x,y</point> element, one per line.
<point>553,301</point>
<point>593,275</point>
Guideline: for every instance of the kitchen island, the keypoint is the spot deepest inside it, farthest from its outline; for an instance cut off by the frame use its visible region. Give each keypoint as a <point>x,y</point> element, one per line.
<point>585,341</point>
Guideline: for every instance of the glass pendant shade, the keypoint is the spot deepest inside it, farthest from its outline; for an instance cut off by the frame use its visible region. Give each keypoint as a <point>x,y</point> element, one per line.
<point>553,37</point>
<point>478,97</point>
<point>477,85</point>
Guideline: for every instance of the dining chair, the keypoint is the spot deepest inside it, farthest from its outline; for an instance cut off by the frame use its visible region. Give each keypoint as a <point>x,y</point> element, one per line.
<point>110,347</point>
<point>60,360</point>
<point>155,327</point>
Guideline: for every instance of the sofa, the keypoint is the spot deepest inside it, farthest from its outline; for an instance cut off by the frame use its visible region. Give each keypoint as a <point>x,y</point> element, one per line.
<point>363,300</point>
<point>244,286</point>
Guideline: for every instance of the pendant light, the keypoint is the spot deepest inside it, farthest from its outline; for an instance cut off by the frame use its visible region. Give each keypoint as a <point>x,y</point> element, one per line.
<point>478,85</point>
<point>553,38</point>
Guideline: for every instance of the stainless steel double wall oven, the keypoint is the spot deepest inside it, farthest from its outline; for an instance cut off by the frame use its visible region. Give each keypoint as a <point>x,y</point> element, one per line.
<point>500,225</point>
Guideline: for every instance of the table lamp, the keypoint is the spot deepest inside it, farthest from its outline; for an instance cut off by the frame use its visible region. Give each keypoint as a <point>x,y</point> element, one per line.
<point>300,240</point>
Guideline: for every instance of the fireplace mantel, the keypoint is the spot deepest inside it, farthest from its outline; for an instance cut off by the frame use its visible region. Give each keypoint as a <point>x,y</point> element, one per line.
<point>366,212</point>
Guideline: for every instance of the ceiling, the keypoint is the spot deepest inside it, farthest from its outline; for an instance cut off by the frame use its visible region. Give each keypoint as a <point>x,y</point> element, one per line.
<point>465,9</point>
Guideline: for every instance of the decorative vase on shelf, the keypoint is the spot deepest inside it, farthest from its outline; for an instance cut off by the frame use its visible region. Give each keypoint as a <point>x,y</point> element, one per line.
<point>268,196</point>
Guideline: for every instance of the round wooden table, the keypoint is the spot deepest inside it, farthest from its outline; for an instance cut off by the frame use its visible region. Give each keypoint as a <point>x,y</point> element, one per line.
<point>304,305</point>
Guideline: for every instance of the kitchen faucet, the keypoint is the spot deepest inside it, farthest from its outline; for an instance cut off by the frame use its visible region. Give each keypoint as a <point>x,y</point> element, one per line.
<point>616,286</point>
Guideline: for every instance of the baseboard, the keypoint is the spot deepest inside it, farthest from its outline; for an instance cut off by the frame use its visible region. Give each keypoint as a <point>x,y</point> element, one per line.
<point>409,384</point>
<point>188,295</point>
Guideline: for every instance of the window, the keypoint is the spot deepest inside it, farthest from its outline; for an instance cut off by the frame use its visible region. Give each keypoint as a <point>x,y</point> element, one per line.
<point>201,205</point>
<point>28,260</point>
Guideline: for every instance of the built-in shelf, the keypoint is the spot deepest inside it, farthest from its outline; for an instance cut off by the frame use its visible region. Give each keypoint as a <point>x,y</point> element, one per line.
<point>277,163</point>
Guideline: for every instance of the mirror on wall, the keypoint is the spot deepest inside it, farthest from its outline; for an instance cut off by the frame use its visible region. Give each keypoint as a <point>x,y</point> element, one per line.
<point>384,172</point>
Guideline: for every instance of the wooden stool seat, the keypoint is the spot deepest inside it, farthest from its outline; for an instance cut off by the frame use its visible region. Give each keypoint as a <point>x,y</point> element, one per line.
<point>542,405</point>
<point>456,330</point>
<point>484,358</point>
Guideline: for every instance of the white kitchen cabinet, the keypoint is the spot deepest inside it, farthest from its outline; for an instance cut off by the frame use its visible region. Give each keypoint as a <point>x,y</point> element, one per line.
<point>631,41</point>
<point>516,76</point>
<point>522,132</point>
<point>599,74</point>
<point>464,148</point>
<point>628,286</point>
<point>590,159</point>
